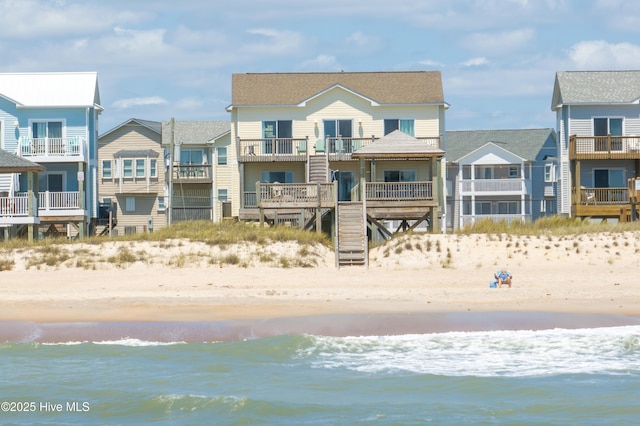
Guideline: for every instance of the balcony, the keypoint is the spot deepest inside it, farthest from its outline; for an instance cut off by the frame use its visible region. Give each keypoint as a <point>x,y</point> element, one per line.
<point>509,186</point>
<point>50,150</point>
<point>604,147</point>
<point>600,202</point>
<point>50,204</point>
<point>192,173</point>
<point>291,149</point>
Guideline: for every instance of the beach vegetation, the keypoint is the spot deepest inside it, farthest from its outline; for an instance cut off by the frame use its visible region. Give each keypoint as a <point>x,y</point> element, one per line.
<point>547,226</point>
<point>7,264</point>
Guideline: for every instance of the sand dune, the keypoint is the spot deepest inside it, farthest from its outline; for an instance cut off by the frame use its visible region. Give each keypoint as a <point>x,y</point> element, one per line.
<point>181,280</point>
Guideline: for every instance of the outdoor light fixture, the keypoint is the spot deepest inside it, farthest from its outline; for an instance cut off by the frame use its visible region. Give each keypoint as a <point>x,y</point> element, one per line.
<point>15,123</point>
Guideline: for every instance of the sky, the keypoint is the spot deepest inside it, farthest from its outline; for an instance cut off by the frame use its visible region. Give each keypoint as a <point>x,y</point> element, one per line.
<point>165,58</point>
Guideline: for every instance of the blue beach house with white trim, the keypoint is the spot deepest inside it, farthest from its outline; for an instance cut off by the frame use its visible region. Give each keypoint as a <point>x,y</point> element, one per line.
<point>52,119</point>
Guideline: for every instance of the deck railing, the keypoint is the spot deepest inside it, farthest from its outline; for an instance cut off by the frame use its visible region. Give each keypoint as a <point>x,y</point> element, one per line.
<point>17,206</point>
<point>50,147</point>
<point>191,171</point>
<point>296,149</point>
<point>493,185</point>
<point>603,196</point>
<point>399,191</point>
<point>296,193</point>
<point>604,147</point>
<point>58,200</point>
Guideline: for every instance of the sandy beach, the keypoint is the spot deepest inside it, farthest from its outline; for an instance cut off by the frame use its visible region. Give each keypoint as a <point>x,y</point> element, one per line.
<point>192,281</point>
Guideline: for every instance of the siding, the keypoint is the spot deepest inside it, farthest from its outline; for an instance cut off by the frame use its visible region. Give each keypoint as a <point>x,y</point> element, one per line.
<point>132,136</point>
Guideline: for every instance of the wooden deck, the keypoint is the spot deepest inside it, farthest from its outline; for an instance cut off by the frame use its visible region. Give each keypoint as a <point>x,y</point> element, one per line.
<point>604,147</point>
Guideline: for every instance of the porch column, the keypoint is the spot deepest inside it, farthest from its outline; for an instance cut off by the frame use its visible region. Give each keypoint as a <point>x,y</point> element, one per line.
<point>362,177</point>
<point>523,190</point>
<point>82,228</point>
<point>577,193</point>
<point>32,209</point>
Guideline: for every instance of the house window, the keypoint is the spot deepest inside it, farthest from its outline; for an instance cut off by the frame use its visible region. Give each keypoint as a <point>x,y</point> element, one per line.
<point>51,181</point>
<point>153,168</point>
<point>139,168</point>
<point>222,155</point>
<point>282,132</point>
<point>222,195</point>
<point>191,156</point>
<point>508,207</point>
<point>405,126</point>
<point>161,204</point>
<point>339,134</point>
<point>513,171</point>
<point>483,207</point>
<point>605,126</point>
<point>46,129</point>
<point>609,178</point>
<point>130,204</point>
<point>127,168</point>
<point>279,177</point>
<point>399,175</point>
<point>483,172</point>
<point>549,173</point>
<point>106,169</point>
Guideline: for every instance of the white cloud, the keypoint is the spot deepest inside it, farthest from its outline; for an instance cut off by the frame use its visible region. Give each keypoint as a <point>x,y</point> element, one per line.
<point>598,54</point>
<point>430,63</point>
<point>321,62</point>
<point>500,43</point>
<point>134,102</point>
<point>273,42</point>
<point>32,19</point>
<point>474,62</point>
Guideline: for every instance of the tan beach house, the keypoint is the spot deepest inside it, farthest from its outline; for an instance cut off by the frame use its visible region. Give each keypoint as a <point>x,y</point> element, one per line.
<point>132,179</point>
<point>200,173</point>
<point>358,154</point>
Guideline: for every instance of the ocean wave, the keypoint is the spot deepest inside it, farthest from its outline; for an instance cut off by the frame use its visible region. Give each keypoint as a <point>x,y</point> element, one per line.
<point>610,350</point>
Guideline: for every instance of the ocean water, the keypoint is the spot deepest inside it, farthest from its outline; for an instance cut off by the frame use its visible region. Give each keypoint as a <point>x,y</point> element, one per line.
<point>581,376</point>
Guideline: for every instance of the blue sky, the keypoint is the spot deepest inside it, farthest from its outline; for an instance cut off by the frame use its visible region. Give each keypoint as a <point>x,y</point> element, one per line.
<point>166,58</point>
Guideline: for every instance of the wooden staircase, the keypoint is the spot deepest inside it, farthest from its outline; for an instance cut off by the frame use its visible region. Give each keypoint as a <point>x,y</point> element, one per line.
<point>351,238</point>
<point>318,169</point>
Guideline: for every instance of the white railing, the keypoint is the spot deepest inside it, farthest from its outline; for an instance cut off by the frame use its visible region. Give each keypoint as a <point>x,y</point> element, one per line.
<point>493,185</point>
<point>54,200</point>
<point>58,200</point>
<point>50,147</point>
<point>14,206</point>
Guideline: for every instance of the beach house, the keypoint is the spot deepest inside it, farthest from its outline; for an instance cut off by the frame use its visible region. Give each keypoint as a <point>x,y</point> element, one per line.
<point>501,175</point>
<point>200,172</point>
<point>50,119</point>
<point>357,154</point>
<point>598,127</point>
<point>131,176</point>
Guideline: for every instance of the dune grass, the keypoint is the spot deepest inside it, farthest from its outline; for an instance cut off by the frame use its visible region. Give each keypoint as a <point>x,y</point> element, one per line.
<point>550,225</point>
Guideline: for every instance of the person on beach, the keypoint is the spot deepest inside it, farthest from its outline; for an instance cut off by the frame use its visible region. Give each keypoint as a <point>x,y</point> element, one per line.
<point>503,277</point>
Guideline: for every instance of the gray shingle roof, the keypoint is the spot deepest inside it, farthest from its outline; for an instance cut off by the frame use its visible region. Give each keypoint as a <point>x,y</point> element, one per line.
<point>11,163</point>
<point>194,132</point>
<point>525,143</point>
<point>596,87</point>
<point>390,88</point>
